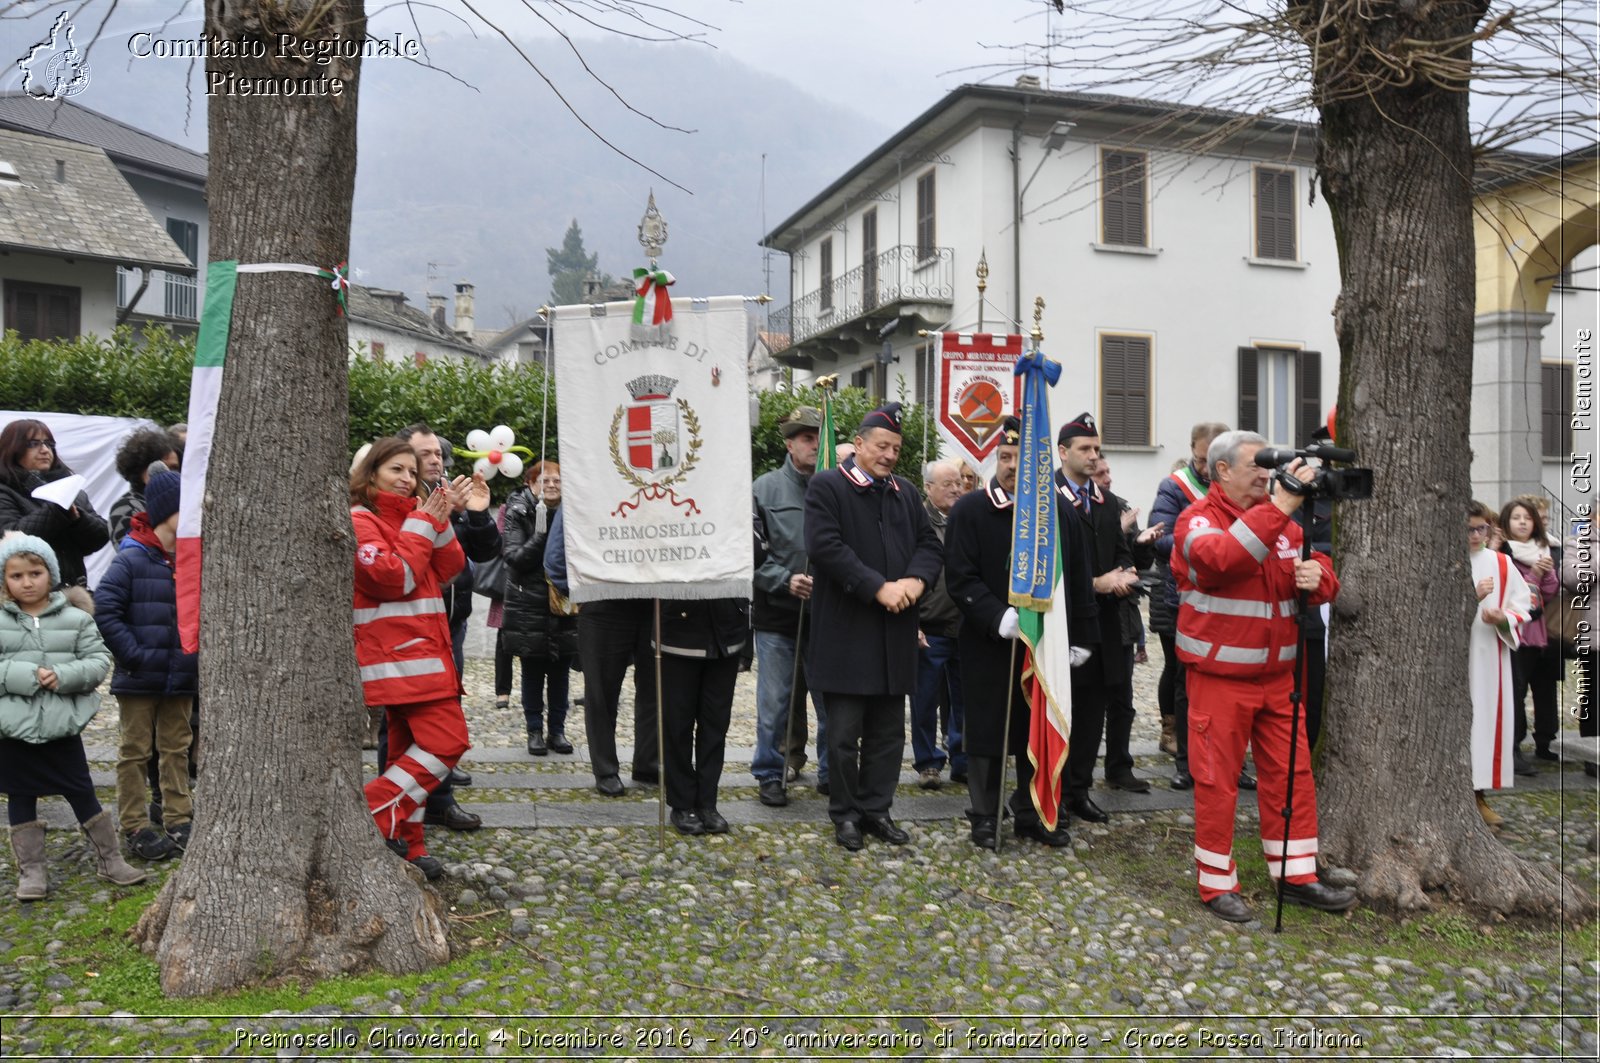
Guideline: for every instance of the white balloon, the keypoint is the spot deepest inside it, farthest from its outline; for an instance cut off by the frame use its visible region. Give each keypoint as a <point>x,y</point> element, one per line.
<point>483,468</point>
<point>477,439</point>
<point>511,465</point>
<point>501,437</point>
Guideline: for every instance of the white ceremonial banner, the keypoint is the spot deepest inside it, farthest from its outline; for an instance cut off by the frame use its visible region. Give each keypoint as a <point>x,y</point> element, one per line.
<point>655,452</point>
<point>89,448</point>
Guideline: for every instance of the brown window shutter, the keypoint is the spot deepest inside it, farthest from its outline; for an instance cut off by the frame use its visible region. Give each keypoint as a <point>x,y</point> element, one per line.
<point>1308,395</point>
<point>1249,390</point>
<point>43,311</point>
<point>869,259</point>
<point>925,214</point>
<point>1555,410</point>
<point>1275,214</point>
<point>1123,200</point>
<point>825,271</point>
<point>1125,391</point>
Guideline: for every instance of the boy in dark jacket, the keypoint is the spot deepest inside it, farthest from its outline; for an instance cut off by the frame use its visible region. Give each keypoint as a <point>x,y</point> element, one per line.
<point>154,683</point>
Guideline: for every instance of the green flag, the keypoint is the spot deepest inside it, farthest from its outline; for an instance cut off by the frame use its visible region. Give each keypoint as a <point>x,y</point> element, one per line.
<point>827,448</point>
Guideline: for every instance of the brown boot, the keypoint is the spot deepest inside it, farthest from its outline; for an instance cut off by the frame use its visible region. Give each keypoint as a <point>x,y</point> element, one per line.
<point>109,863</point>
<point>1169,735</point>
<point>1489,815</point>
<point>27,846</point>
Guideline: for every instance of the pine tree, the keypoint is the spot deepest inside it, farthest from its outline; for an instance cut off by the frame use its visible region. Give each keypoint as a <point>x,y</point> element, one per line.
<point>569,265</point>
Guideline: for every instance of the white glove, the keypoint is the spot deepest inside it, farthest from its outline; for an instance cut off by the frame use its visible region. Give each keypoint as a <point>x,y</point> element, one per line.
<point>1079,655</point>
<point>1010,624</point>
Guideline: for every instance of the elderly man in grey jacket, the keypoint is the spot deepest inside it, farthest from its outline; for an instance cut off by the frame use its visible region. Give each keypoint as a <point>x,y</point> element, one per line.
<point>782,591</point>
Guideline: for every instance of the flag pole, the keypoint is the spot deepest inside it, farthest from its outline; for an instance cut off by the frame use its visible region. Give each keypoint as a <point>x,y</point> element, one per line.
<point>661,744</point>
<point>1037,335</point>
<point>824,439</point>
<point>1005,752</point>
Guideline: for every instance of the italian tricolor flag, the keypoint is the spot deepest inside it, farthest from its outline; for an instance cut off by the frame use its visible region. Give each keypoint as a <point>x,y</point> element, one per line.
<point>1047,683</point>
<point>205,387</point>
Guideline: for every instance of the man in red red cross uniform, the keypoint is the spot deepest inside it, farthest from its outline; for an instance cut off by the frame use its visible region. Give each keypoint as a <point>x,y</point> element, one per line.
<point>1236,558</point>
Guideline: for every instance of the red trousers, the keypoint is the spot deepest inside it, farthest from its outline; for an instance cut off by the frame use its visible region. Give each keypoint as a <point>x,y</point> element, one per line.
<point>425,741</point>
<point>1225,715</point>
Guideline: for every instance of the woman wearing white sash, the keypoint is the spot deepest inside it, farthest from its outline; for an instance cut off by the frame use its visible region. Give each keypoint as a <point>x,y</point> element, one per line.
<point>1503,607</point>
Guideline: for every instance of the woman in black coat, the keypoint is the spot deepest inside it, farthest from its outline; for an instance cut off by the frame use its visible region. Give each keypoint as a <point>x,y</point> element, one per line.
<point>546,642</point>
<point>28,461</point>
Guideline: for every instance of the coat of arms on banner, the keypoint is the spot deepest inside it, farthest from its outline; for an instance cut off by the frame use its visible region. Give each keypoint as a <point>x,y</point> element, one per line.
<point>977,392</point>
<point>655,442</point>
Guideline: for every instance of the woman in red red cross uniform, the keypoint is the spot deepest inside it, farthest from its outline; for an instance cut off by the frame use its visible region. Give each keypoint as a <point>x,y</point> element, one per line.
<point>406,551</point>
<point>1236,559</point>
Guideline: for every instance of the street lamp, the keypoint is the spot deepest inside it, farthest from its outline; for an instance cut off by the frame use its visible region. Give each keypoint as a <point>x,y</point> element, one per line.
<point>1052,141</point>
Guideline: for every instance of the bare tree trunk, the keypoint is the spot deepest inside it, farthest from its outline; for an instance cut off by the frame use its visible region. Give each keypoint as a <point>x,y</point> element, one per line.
<point>285,872</point>
<point>1395,789</point>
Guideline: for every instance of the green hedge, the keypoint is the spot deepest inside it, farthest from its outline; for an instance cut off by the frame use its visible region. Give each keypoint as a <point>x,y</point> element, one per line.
<point>147,375</point>
<point>849,407</point>
<point>118,377</point>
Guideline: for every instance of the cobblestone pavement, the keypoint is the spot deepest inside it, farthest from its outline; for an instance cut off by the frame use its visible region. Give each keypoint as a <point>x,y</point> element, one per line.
<point>576,934</point>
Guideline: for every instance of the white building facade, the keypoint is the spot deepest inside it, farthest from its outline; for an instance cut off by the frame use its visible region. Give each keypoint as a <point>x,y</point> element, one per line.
<point>1178,286</point>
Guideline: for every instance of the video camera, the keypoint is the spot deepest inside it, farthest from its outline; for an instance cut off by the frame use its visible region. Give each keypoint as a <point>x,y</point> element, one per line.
<point>1352,484</point>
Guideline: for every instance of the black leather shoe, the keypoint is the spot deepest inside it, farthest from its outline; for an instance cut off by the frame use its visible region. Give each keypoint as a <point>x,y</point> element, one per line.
<point>1246,782</point>
<point>958,777</point>
<point>1130,782</point>
<point>1319,895</point>
<point>1546,753</point>
<point>646,777</point>
<point>822,787</point>
<point>455,817</point>
<point>536,745</point>
<point>1230,906</point>
<point>397,847</point>
<point>985,832</point>
<point>687,821</point>
<point>1521,765</point>
<point>610,786</point>
<point>885,828</point>
<point>772,793</point>
<point>430,866</point>
<point>558,743</point>
<point>1086,810</point>
<point>1183,781</point>
<point>713,821</point>
<point>849,836</point>
<point>459,777</point>
<point>1056,839</point>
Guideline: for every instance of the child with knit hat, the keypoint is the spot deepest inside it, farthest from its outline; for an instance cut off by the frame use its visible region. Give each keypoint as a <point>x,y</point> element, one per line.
<point>136,606</point>
<point>51,660</point>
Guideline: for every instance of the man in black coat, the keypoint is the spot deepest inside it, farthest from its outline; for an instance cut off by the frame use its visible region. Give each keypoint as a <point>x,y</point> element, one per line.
<point>873,554</point>
<point>978,545</point>
<point>1102,681</point>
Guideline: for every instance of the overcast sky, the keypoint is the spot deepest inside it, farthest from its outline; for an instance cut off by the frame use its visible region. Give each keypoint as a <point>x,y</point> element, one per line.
<point>891,59</point>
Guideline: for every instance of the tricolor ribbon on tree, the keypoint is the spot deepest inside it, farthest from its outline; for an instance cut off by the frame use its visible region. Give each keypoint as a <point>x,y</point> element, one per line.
<point>205,389</point>
<point>1035,580</point>
<point>650,294</point>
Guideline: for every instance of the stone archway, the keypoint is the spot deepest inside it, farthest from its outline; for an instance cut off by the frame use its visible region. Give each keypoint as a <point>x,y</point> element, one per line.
<point>1529,225</point>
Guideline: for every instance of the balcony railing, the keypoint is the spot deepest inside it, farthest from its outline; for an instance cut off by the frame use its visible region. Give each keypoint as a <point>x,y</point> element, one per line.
<point>901,274</point>
<point>182,297</point>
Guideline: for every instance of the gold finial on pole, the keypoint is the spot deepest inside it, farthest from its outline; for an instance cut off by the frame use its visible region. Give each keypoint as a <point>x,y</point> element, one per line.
<point>983,283</point>
<point>652,230</point>
<point>827,383</point>
<point>1038,314</point>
